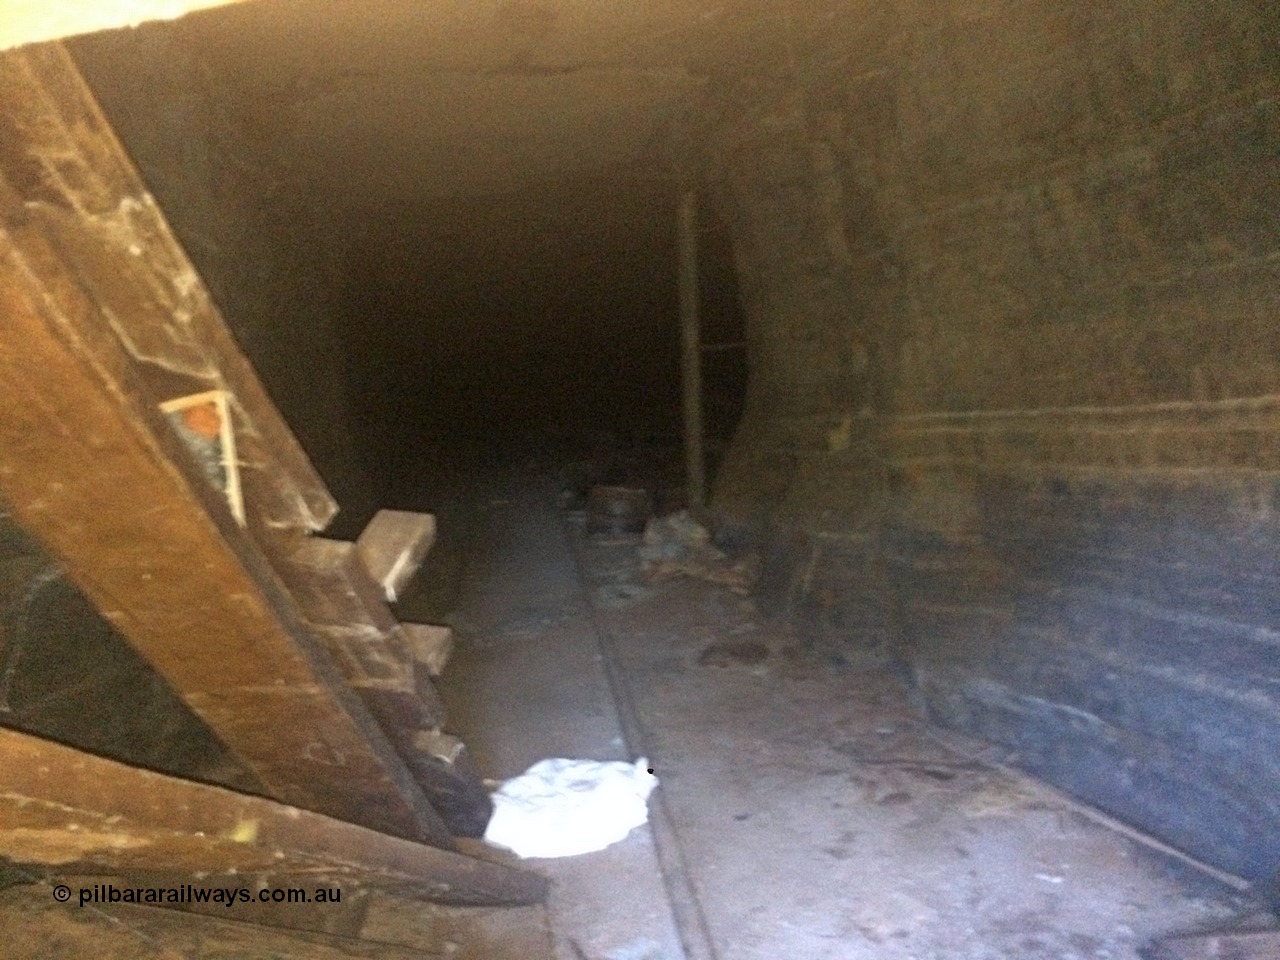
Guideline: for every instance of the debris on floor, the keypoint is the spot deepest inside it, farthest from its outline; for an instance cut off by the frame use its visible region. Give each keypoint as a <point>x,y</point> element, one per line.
<point>562,808</point>
<point>677,545</point>
<point>806,812</point>
<point>616,510</point>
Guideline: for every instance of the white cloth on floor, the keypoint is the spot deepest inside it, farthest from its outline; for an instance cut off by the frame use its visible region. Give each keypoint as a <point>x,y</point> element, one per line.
<point>561,808</point>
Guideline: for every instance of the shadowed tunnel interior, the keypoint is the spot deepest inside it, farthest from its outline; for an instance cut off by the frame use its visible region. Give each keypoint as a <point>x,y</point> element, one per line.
<point>990,318</point>
<point>543,317</point>
<point>481,240</point>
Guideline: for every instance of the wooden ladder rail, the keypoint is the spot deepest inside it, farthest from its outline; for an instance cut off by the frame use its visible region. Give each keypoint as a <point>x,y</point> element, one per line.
<point>105,318</point>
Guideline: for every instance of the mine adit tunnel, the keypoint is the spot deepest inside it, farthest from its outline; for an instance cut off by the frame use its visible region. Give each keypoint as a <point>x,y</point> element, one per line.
<point>954,327</point>
<point>482,244</point>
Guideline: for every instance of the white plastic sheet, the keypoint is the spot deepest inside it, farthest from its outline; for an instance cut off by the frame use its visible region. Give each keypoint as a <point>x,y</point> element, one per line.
<point>562,808</point>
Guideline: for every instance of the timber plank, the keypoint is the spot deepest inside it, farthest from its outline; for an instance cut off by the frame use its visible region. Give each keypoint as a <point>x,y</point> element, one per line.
<point>30,917</point>
<point>89,269</point>
<point>333,588</point>
<point>73,178</point>
<point>90,468</point>
<point>80,813</point>
<point>345,607</point>
<point>217,936</point>
<point>220,936</point>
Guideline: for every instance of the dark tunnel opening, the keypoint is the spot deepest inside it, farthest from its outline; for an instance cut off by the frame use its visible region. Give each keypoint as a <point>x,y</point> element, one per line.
<point>489,265</point>
<point>544,320</point>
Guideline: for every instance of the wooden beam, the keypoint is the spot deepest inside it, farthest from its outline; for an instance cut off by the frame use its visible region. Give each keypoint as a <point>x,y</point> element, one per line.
<point>334,589</point>
<point>89,469</point>
<point>396,929</point>
<point>691,349</point>
<point>344,607</point>
<point>77,187</point>
<point>389,665</point>
<point>79,813</point>
<point>203,935</point>
<point>97,301</point>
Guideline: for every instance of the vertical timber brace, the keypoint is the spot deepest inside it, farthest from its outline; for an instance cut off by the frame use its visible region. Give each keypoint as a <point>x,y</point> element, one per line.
<point>691,350</point>
<point>690,327</point>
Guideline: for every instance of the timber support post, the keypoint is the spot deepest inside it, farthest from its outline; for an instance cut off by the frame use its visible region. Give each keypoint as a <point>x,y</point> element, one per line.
<point>691,349</point>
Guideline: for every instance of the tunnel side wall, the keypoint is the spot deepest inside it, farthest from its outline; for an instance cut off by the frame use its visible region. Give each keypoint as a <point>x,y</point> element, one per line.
<point>252,229</point>
<point>1012,277</point>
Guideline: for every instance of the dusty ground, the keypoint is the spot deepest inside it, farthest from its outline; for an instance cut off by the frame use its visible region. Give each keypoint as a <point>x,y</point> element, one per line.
<point>804,811</point>
<point>809,811</point>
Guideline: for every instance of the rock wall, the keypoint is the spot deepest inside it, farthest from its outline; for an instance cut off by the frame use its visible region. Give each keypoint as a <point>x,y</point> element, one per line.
<point>1011,274</point>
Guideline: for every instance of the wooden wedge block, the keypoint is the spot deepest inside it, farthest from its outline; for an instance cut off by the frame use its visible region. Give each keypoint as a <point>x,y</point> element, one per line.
<point>393,546</point>
<point>333,587</point>
<point>429,645</point>
<point>443,766</point>
<point>368,658</point>
<point>401,712</point>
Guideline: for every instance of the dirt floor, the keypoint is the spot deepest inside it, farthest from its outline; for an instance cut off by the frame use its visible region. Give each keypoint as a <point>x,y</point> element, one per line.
<point>804,810</point>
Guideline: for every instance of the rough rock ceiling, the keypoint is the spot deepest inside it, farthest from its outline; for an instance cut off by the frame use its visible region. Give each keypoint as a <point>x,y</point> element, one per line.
<point>381,99</point>
<point>34,21</point>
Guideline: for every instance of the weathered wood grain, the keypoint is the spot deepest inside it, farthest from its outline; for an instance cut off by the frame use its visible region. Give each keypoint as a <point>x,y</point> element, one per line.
<point>79,813</point>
